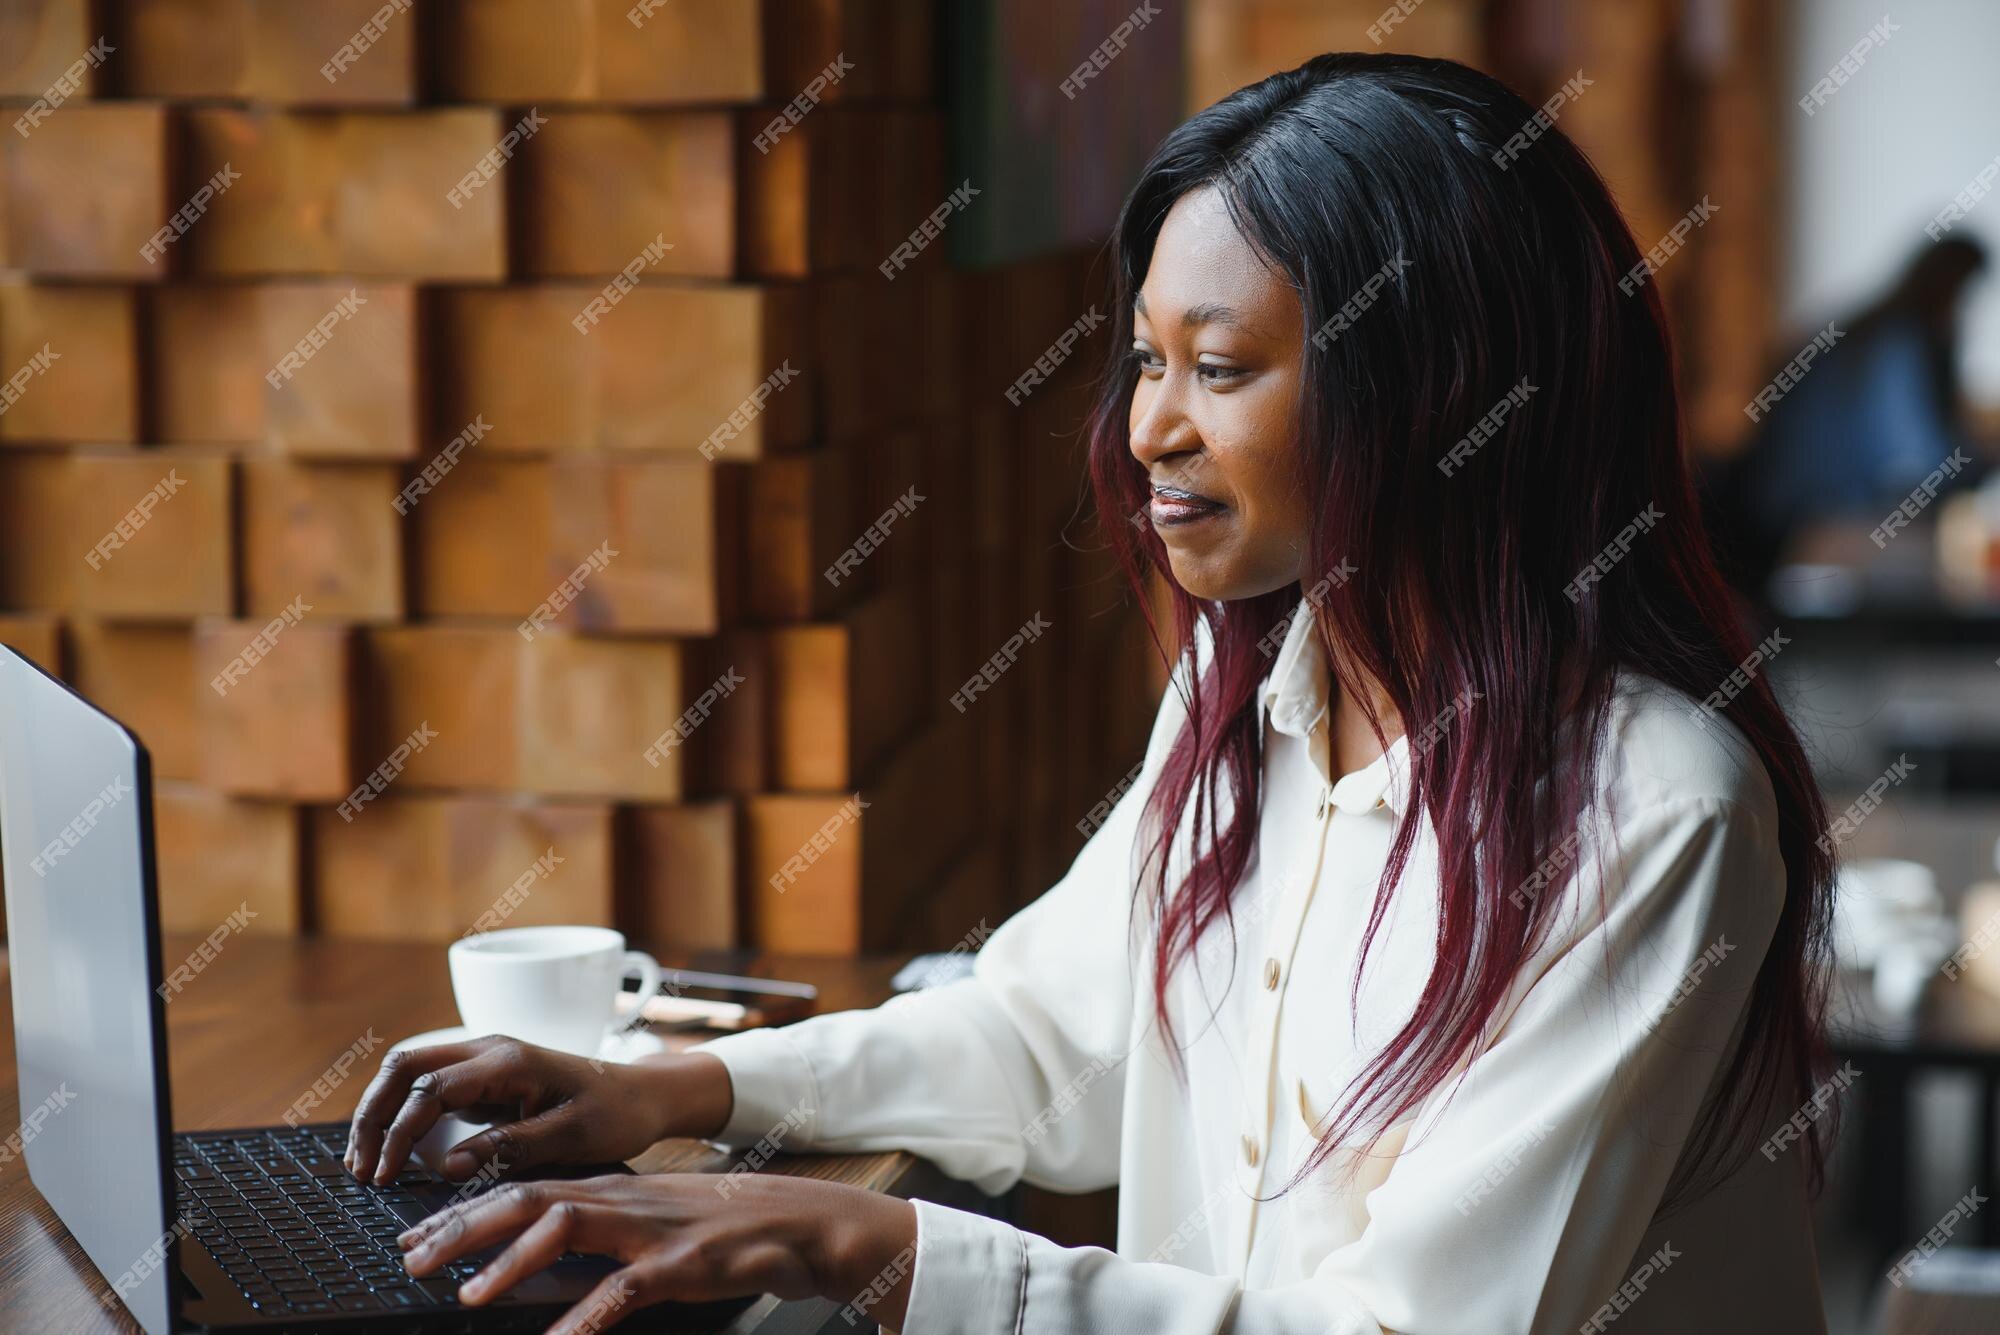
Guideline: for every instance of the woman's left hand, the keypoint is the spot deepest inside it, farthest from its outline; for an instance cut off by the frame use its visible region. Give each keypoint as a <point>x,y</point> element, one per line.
<point>683,1237</point>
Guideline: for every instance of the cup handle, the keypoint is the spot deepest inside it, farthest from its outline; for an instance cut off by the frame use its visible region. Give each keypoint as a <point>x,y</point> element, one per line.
<point>649,985</point>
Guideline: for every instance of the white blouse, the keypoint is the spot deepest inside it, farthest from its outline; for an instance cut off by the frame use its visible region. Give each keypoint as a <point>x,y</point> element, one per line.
<point>1522,1198</point>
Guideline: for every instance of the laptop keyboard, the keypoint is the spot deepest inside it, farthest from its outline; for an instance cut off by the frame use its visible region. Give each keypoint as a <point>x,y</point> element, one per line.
<point>297,1234</point>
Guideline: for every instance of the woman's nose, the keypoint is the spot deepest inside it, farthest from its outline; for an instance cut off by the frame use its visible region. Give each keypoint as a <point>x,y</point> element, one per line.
<point>1159,427</point>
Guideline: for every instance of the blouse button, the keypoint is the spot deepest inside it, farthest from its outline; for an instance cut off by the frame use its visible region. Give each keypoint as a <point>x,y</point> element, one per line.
<point>1250,1150</point>
<point>1270,975</point>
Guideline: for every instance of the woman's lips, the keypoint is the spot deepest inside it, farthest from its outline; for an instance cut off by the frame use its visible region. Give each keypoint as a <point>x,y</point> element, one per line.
<point>1172,507</point>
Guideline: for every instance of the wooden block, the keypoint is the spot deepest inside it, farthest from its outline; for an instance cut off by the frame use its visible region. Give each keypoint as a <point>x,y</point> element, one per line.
<point>954,590</point>
<point>143,676</point>
<point>728,368</point>
<point>41,548</point>
<point>37,637</point>
<point>967,902</point>
<point>271,51</point>
<point>730,752</point>
<point>218,855</point>
<point>156,532</point>
<point>515,360</point>
<point>639,538</point>
<point>842,693</point>
<point>465,682</point>
<point>678,887</point>
<point>85,189</point>
<point>927,823</point>
<point>482,540</point>
<point>42,43</point>
<point>812,846</point>
<point>891,45</point>
<point>841,191</point>
<point>591,708</point>
<point>205,354</point>
<point>284,726</point>
<point>892,528</point>
<point>344,52</point>
<point>601,51</point>
<point>940,316</point>
<point>354,193</point>
<point>324,532</point>
<point>800,509</point>
<point>836,874</point>
<point>662,368</point>
<point>597,187</point>
<point>434,868</point>
<point>340,370</point>
<point>80,351</point>
<point>863,330</point>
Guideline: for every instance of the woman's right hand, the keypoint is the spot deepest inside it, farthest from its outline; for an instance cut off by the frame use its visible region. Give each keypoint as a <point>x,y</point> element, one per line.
<point>554,1108</point>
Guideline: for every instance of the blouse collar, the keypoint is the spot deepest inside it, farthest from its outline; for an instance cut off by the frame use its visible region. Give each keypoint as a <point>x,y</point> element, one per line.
<point>1296,702</point>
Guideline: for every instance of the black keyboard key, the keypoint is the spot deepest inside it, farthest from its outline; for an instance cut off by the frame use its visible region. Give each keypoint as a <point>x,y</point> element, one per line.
<point>402,1295</point>
<point>363,1301</point>
<point>439,1290</point>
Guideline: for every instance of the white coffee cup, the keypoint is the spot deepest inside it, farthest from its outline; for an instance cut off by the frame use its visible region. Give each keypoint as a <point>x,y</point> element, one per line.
<point>555,987</point>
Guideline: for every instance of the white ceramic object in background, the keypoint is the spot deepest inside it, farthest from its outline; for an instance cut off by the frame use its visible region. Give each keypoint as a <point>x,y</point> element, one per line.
<point>1889,919</point>
<point>1879,901</point>
<point>555,987</point>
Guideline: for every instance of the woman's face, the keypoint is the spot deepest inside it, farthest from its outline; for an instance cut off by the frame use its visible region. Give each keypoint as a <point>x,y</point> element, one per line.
<point>1219,346</point>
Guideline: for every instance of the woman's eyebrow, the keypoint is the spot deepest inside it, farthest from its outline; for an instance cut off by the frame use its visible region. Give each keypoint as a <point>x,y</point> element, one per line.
<point>1208,312</point>
<point>1214,312</point>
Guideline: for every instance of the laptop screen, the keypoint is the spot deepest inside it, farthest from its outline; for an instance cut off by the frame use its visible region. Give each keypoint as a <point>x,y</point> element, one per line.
<point>83,953</point>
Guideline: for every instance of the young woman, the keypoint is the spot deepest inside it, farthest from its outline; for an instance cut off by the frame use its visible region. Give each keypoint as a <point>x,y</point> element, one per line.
<point>1454,963</point>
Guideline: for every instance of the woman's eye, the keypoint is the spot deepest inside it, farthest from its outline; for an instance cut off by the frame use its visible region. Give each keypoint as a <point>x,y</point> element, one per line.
<point>1146,362</point>
<point>1217,375</point>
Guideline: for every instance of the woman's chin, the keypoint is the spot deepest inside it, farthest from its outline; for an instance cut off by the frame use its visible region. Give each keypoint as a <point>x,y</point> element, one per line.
<point>1211,580</point>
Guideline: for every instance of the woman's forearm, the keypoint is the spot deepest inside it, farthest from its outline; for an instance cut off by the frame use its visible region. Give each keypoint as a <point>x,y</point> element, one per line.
<point>691,1091</point>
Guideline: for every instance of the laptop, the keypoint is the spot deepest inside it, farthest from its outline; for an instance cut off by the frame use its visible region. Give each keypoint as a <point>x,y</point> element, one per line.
<point>260,1228</point>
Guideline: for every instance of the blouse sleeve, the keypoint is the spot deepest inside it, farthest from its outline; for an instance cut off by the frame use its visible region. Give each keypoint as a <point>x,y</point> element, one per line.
<point>1017,1071</point>
<point>1523,1192</point>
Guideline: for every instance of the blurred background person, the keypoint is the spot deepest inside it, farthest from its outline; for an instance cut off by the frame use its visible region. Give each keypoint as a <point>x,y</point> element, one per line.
<point>1877,410</point>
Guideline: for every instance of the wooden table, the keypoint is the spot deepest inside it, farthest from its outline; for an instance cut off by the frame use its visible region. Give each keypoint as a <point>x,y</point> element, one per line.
<point>268,1016</point>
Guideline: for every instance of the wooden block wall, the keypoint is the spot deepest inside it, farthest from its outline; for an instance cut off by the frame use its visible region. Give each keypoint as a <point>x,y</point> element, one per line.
<point>470,406</point>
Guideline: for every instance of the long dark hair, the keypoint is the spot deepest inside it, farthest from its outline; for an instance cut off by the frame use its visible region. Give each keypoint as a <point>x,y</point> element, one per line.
<point>1501,266</point>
